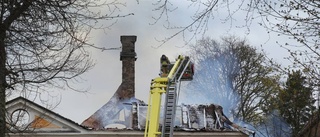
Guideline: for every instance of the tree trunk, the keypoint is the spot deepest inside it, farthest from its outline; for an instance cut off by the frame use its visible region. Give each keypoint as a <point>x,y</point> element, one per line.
<point>2,83</point>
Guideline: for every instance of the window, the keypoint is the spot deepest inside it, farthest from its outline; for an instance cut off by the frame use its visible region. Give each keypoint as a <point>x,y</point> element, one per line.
<point>20,119</point>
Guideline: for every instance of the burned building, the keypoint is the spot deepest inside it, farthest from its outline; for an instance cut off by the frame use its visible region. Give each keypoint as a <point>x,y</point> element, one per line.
<point>41,122</point>
<point>125,111</point>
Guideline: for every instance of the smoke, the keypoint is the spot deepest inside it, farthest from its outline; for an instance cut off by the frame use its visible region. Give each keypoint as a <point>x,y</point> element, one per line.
<point>212,83</point>
<point>274,126</point>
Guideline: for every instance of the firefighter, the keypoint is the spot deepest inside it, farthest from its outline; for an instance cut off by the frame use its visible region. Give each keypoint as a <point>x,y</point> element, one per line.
<point>164,62</point>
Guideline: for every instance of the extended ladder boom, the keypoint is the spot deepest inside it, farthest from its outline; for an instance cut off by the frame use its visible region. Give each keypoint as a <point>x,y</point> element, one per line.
<point>182,69</point>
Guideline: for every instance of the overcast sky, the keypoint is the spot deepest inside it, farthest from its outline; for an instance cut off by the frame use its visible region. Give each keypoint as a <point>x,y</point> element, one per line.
<point>104,79</point>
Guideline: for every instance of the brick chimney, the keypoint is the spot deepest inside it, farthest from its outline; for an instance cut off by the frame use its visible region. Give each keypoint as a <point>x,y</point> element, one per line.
<point>128,58</point>
<point>108,112</point>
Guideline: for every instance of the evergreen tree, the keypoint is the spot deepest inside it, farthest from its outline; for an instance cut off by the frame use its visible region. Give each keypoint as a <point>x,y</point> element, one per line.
<point>295,101</point>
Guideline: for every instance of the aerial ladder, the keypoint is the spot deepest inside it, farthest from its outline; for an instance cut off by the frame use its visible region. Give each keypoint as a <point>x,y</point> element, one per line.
<point>170,76</point>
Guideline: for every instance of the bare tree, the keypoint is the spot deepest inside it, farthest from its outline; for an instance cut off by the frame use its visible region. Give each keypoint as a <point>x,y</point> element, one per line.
<point>299,20</point>
<point>199,20</point>
<point>43,44</point>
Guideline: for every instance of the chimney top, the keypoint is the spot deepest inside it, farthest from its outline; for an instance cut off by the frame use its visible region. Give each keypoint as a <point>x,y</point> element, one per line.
<point>128,50</point>
<point>128,38</point>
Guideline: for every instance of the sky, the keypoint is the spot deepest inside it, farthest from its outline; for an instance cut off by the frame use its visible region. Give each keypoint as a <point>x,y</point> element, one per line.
<point>104,78</point>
